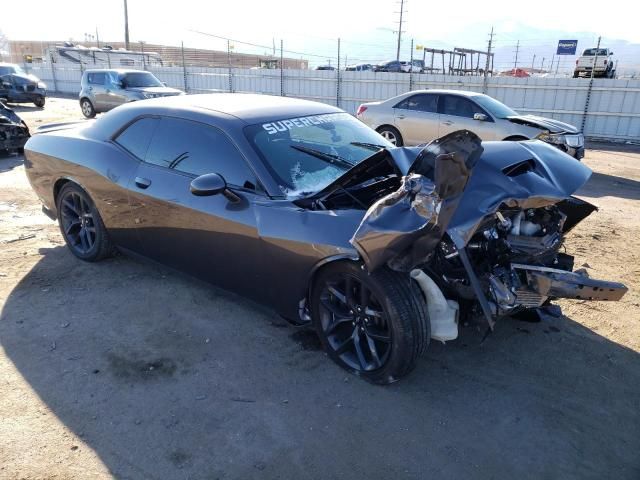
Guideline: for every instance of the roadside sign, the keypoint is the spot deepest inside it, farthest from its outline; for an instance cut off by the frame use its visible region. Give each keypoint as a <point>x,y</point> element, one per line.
<point>567,47</point>
<point>419,47</point>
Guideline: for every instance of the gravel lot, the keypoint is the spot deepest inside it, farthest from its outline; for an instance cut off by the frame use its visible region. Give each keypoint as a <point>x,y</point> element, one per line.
<point>123,369</point>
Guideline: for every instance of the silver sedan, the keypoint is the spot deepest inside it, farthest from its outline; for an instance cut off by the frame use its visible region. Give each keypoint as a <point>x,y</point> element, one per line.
<point>420,116</point>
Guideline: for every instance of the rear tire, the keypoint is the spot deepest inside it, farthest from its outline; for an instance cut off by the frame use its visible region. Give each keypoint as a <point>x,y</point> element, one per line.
<point>87,108</point>
<point>372,325</point>
<point>391,134</point>
<point>81,225</point>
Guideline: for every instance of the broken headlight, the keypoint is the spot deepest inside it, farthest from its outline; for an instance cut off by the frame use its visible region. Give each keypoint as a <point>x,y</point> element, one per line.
<point>553,138</point>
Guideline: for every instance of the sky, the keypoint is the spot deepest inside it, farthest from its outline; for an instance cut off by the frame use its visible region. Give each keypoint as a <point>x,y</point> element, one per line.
<point>366,27</point>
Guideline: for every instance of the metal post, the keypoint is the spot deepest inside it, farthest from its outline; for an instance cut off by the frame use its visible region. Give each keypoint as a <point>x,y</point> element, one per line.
<point>515,63</point>
<point>126,26</point>
<point>184,67</point>
<point>53,70</point>
<point>229,64</point>
<point>590,87</point>
<point>144,63</point>
<point>411,68</point>
<point>338,78</point>
<point>400,30</point>
<point>486,65</point>
<point>281,68</point>
<point>533,62</point>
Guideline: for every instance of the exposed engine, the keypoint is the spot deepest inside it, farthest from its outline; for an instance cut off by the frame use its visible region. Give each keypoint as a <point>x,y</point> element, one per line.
<point>517,259</point>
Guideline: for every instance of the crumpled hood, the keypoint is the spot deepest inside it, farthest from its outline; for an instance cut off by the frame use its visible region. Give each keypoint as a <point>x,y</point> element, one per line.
<point>544,123</point>
<point>159,91</point>
<point>529,174</point>
<point>452,185</point>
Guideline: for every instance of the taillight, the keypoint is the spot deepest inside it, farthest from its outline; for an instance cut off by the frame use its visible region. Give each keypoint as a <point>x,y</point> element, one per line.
<point>361,110</point>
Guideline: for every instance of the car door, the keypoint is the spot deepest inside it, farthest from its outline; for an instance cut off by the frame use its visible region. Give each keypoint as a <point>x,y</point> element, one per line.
<point>212,237</point>
<point>5,86</point>
<point>457,113</point>
<point>417,118</point>
<point>97,90</point>
<point>115,93</point>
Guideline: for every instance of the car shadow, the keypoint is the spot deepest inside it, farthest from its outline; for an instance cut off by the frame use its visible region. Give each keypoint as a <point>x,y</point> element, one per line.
<point>165,377</point>
<point>24,107</point>
<point>9,161</point>
<point>603,185</point>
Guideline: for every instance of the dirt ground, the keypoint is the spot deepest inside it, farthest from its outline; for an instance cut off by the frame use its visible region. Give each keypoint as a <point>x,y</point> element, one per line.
<point>125,370</point>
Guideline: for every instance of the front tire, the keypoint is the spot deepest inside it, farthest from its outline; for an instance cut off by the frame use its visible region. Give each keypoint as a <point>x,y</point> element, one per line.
<point>87,108</point>
<point>373,325</point>
<point>81,225</point>
<point>391,134</point>
<point>39,102</point>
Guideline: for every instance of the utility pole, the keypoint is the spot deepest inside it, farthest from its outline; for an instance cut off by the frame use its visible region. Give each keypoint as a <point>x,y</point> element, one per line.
<point>542,66</point>
<point>97,38</point>
<point>126,26</point>
<point>400,29</point>
<point>515,63</point>
<point>533,62</point>
<point>486,67</point>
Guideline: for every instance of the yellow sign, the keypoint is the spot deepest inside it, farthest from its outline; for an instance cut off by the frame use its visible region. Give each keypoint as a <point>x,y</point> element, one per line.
<point>419,47</point>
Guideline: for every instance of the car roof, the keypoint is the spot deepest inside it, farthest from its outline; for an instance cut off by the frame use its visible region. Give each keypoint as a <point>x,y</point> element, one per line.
<point>117,70</point>
<point>464,93</point>
<point>251,108</point>
<point>6,64</point>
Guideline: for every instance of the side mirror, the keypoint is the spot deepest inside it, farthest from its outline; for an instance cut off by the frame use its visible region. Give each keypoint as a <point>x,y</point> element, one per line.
<point>164,84</point>
<point>208,184</point>
<point>212,184</point>
<point>481,117</point>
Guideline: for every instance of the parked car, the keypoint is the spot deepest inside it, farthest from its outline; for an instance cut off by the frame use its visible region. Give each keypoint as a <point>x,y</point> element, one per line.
<point>390,66</point>
<point>102,90</point>
<point>421,116</point>
<point>360,67</point>
<point>410,67</point>
<point>325,67</point>
<point>17,86</point>
<point>600,60</point>
<point>14,133</point>
<point>299,206</point>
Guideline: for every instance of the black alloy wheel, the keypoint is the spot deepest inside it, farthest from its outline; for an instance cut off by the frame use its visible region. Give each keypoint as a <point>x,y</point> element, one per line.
<point>354,323</point>
<point>81,225</point>
<point>374,325</point>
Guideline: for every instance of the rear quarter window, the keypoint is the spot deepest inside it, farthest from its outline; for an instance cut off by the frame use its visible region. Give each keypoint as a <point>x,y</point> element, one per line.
<point>96,78</point>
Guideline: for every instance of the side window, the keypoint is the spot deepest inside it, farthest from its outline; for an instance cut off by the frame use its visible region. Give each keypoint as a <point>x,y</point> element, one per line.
<point>197,149</point>
<point>96,78</point>
<point>459,106</point>
<point>422,103</point>
<point>137,136</point>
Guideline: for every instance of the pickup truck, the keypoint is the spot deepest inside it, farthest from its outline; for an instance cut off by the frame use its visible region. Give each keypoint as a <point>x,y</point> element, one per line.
<point>603,60</point>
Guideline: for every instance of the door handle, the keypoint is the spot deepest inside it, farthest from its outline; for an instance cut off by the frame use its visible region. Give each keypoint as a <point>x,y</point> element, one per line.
<point>447,122</point>
<point>400,117</point>
<point>142,182</point>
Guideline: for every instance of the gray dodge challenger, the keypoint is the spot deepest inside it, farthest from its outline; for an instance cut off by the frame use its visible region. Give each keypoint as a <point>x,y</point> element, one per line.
<point>300,206</point>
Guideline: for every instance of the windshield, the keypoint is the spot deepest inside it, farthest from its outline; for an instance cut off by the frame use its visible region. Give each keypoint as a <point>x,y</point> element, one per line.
<point>590,52</point>
<point>494,107</point>
<point>9,69</point>
<point>139,79</point>
<point>305,154</point>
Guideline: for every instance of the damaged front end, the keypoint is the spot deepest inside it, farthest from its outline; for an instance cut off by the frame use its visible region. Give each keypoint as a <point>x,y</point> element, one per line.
<point>14,133</point>
<point>485,223</point>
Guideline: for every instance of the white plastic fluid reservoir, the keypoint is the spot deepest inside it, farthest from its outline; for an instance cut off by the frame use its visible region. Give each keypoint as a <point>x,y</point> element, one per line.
<point>443,313</point>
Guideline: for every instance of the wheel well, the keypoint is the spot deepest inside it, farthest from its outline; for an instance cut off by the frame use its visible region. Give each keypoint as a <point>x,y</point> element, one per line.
<point>514,138</point>
<point>58,186</point>
<point>387,126</point>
